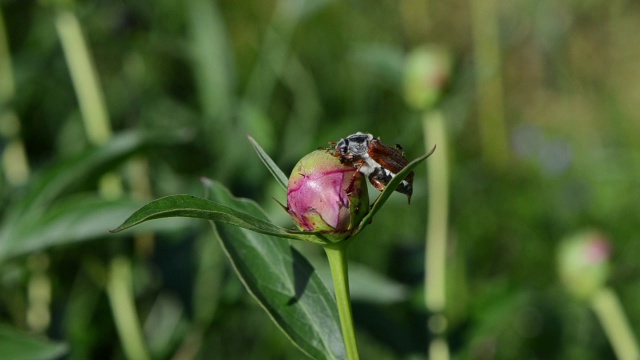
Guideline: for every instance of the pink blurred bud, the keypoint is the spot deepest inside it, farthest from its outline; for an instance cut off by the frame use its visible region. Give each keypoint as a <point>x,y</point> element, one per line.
<point>583,262</point>
<point>327,196</point>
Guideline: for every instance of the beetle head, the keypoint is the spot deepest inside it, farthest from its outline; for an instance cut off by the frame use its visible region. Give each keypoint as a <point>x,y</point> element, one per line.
<point>354,145</point>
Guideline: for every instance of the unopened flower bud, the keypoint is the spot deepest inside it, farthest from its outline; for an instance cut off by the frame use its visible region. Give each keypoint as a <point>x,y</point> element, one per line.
<point>583,262</point>
<point>427,74</point>
<point>327,196</point>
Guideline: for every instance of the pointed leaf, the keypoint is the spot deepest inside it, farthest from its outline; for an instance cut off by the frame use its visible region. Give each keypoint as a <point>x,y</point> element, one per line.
<point>283,282</point>
<point>273,168</point>
<point>16,345</point>
<point>66,174</point>
<point>195,207</point>
<point>77,219</point>
<point>391,187</point>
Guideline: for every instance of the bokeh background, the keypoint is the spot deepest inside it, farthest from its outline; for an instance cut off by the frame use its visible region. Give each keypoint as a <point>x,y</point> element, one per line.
<point>540,101</point>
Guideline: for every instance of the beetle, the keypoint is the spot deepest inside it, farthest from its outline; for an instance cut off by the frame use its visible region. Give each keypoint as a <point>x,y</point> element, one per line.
<point>379,162</point>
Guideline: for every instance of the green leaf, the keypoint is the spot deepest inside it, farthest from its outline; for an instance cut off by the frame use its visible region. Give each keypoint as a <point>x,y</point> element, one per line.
<point>282,281</point>
<point>16,345</point>
<point>273,168</point>
<point>77,219</point>
<point>195,207</point>
<point>212,63</point>
<point>31,224</point>
<point>391,187</point>
<point>69,172</point>
<point>66,174</point>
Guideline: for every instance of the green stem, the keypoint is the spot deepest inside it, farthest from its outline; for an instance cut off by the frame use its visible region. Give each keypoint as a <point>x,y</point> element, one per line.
<point>436,242</point>
<point>88,90</point>
<point>7,86</point>
<point>489,89</point>
<point>119,291</point>
<point>607,307</point>
<point>84,77</point>
<point>438,177</point>
<point>439,349</point>
<point>337,256</point>
<point>15,165</point>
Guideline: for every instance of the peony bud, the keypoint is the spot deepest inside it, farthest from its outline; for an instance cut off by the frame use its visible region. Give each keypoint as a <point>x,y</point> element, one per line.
<point>583,261</point>
<point>427,74</point>
<point>327,196</point>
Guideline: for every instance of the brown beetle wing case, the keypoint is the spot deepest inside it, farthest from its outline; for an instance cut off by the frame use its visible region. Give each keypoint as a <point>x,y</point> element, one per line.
<point>388,157</point>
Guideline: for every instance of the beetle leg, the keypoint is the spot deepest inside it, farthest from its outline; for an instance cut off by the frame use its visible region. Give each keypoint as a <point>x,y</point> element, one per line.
<point>350,188</point>
<point>376,182</point>
<point>330,149</point>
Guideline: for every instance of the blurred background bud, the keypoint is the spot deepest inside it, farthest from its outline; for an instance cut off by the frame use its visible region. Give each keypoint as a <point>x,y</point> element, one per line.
<point>427,73</point>
<point>583,263</point>
<point>323,195</point>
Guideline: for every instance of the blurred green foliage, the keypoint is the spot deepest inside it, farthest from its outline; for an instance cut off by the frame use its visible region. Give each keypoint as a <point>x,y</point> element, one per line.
<point>192,78</point>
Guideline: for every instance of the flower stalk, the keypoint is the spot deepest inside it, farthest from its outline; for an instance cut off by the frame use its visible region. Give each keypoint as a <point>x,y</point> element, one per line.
<point>489,89</point>
<point>120,293</point>
<point>427,75</point>
<point>609,312</point>
<point>337,256</point>
<point>436,241</point>
<point>88,90</point>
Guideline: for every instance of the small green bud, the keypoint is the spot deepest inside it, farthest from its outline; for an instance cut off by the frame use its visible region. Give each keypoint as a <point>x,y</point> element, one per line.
<point>427,74</point>
<point>327,196</point>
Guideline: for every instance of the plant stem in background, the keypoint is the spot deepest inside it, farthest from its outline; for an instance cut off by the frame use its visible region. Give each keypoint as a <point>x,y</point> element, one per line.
<point>39,296</point>
<point>214,78</point>
<point>210,51</point>
<point>95,114</point>
<point>273,53</point>
<point>436,242</point>
<point>98,129</point>
<point>490,95</point>
<point>7,87</point>
<point>607,307</point>
<point>339,272</point>
<point>87,87</point>
<point>15,165</point>
<point>140,184</point>
<point>417,20</point>
<point>120,293</point>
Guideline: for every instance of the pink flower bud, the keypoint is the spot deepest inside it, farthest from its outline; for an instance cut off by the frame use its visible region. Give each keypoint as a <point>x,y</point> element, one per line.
<point>327,196</point>
<point>583,261</point>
